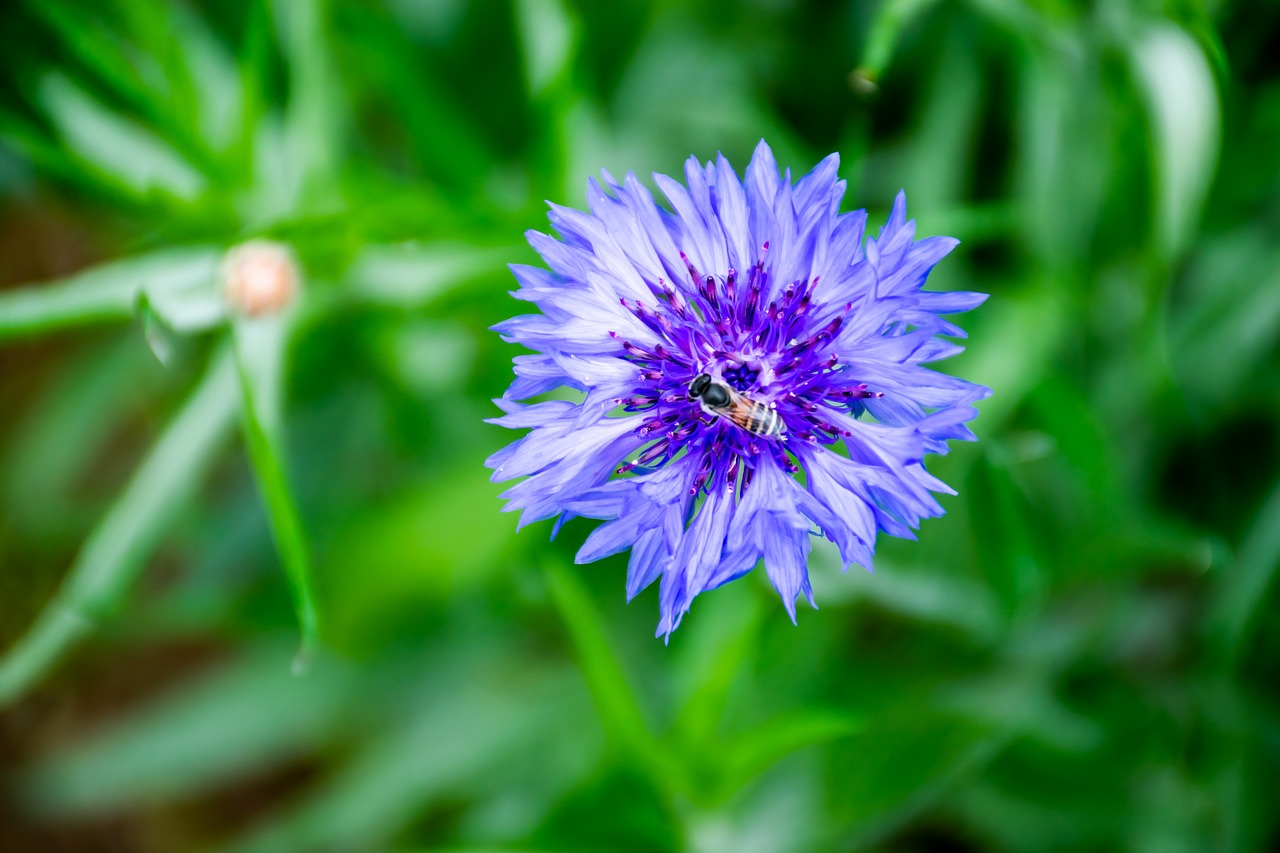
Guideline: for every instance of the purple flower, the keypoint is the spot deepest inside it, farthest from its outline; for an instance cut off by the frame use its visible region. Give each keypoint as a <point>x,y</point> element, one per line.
<point>718,350</point>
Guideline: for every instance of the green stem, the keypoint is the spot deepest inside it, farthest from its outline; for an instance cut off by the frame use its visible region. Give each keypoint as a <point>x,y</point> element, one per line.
<point>259,352</point>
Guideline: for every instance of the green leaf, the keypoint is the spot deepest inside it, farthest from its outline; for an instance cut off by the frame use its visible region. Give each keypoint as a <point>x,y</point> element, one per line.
<point>754,752</point>
<point>108,565</point>
<point>1062,168</point>
<point>412,275</point>
<point>156,331</point>
<point>129,72</point>
<point>465,735</point>
<point>1222,333</point>
<point>1182,100</point>
<point>900,761</point>
<point>615,698</point>
<point>390,559</point>
<point>928,595</point>
<point>214,78</point>
<point>1020,698</point>
<point>892,17</point>
<point>723,639</point>
<point>218,726</point>
<point>940,165</point>
<point>260,347</point>
<point>59,435</point>
<point>443,134</point>
<point>1031,324</point>
<point>1007,527</point>
<point>115,146</point>
<point>311,120</point>
<point>179,285</point>
<point>548,33</point>
<point>1244,583</point>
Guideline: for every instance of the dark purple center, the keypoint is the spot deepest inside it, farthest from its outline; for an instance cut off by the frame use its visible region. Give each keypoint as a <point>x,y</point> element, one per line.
<point>741,377</point>
<point>719,319</point>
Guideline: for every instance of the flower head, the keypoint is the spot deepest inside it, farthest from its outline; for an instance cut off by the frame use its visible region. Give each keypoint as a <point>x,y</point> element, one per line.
<point>721,351</point>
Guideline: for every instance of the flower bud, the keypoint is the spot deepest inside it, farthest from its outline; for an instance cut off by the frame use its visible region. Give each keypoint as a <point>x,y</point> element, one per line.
<point>259,278</point>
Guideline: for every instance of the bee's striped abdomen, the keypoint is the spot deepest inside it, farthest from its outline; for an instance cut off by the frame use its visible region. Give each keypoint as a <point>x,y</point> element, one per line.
<point>764,420</point>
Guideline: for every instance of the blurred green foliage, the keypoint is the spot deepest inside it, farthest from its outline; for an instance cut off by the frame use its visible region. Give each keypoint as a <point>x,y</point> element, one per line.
<point>1078,656</point>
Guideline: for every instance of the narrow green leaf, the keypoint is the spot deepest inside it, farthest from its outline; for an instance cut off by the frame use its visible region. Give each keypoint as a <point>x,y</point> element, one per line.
<point>466,736</point>
<point>117,550</point>
<point>158,334</point>
<point>901,760</point>
<point>1014,570</point>
<point>548,32</point>
<point>619,707</point>
<point>601,667</point>
<point>940,167</point>
<point>259,347</point>
<point>235,719</point>
<point>449,146</point>
<point>173,279</point>
<point>215,78</point>
<point>1020,698</point>
<point>60,434</point>
<point>724,637</point>
<point>890,20</point>
<point>100,51</point>
<point>1222,335</point>
<point>1032,324</point>
<point>1063,139</point>
<point>929,596</point>
<point>35,146</point>
<point>1244,583</point>
<point>756,751</point>
<point>311,115</point>
<point>1185,124</point>
<point>114,145</point>
<point>411,275</point>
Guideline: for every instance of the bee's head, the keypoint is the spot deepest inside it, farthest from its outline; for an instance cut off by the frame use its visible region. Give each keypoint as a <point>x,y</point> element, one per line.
<point>700,384</point>
<point>712,393</point>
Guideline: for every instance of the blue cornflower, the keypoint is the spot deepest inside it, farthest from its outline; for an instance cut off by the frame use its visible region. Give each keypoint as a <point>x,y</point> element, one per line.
<point>720,349</point>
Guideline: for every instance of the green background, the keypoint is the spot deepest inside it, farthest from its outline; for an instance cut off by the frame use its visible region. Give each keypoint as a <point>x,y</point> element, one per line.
<point>1079,656</point>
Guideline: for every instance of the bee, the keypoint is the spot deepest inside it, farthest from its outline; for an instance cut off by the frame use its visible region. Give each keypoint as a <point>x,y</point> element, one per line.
<point>717,398</point>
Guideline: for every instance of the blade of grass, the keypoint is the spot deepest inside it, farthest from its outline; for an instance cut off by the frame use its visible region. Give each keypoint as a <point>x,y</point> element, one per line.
<point>213,81</point>
<point>259,347</point>
<point>117,550</point>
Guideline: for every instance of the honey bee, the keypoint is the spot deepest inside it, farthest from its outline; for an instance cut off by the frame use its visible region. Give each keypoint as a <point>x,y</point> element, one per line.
<point>717,398</point>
